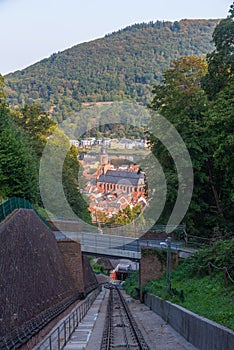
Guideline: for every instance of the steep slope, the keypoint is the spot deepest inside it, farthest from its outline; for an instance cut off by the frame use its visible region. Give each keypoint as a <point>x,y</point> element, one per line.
<point>121,66</point>
<point>33,276</point>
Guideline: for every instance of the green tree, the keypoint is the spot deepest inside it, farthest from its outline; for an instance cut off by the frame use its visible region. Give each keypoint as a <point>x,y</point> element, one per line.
<point>220,127</point>
<point>37,124</point>
<point>183,102</point>
<point>221,60</point>
<point>219,86</point>
<point>71,187</point>
<point>2,85</point>
<point>128,215</point>
<point>18,171</point>
<point>59,169</point>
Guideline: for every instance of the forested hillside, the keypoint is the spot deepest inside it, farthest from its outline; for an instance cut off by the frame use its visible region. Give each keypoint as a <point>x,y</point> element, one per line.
<point>121,66</point>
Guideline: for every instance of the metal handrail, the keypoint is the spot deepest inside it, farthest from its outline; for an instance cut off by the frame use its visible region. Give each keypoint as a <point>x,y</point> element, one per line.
<point>21,334</point>
<point>60,336</point>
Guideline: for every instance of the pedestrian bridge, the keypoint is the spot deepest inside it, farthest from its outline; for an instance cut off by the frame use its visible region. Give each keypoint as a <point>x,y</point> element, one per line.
<point>104,245</point>
<point>116,246</point>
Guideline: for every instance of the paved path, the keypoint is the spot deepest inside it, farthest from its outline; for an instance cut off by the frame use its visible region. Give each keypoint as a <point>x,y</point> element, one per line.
<point>157,333</point>
<point>95,340</point>
<point>81,337</point>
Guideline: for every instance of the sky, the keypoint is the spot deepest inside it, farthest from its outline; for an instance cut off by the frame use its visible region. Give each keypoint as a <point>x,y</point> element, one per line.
<point>31,30</point>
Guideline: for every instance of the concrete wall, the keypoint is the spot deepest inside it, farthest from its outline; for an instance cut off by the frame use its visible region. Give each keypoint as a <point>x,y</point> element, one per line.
<point>199,331</point>
<point>72,257</point>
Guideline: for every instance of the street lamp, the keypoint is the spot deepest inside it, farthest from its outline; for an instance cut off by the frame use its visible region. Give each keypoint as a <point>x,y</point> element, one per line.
<point>167,244</point>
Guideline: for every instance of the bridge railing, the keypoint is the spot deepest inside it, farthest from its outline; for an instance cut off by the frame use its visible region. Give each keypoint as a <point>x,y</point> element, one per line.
<point>178,232</point>
<point>96,243</point>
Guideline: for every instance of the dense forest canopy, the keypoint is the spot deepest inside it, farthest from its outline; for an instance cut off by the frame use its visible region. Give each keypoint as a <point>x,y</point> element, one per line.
<point>121,66</point>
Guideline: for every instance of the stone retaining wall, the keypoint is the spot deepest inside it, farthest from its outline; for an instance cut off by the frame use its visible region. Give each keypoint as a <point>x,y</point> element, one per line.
<point>199,331</point>
<point>153,264</point>
<point>72,257</point>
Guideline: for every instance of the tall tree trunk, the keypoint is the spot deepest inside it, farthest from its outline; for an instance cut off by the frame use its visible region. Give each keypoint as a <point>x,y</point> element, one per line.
<point>215,193</point>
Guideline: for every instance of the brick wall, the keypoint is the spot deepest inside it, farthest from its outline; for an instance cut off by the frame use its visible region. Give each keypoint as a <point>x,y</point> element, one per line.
<point>72,257</point>
<point>153,264</point>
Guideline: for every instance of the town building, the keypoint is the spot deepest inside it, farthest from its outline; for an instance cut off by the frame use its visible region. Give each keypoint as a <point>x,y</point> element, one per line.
<point>74,143</point>
<point>121,181</point>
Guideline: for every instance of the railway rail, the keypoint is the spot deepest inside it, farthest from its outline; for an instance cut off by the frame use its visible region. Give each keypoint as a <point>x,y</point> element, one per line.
<point>121,330</point>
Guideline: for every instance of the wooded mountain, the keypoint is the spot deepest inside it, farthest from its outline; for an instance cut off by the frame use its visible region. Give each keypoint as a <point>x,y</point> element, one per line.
<point>123,65</point>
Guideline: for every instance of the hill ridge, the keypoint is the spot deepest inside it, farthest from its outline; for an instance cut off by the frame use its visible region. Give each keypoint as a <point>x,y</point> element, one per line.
<point>123,65</point>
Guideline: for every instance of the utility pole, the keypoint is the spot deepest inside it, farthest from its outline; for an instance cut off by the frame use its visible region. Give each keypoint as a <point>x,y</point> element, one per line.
<point>168,242</point>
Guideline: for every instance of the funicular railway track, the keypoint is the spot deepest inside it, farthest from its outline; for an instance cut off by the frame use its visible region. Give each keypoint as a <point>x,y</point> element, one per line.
<point>121,330</point>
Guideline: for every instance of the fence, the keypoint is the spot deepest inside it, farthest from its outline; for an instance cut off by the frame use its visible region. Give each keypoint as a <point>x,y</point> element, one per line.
<point>59,337</point>
<point>120,230</point>
<point>16,203</point>
<point>226,274</point>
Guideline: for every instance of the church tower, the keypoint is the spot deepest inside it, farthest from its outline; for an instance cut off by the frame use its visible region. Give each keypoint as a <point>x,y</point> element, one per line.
<point>104,163</point>
<point>104,160</point>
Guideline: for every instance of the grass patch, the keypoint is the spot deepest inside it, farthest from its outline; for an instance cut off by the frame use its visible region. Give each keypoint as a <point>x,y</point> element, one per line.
<point>206,296</point>
<point>131,285</point>
<point>200,284</point>
<point>97,268</point>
